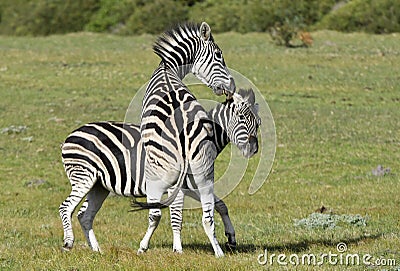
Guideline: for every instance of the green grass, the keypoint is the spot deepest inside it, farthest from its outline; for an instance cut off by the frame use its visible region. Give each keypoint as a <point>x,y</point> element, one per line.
<point>336,107</point>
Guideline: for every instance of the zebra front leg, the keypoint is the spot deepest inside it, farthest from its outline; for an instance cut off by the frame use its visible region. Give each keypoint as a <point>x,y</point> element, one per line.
<point>176,220</point>
<point>203,177</point>
<point>154,220</point>
<point>207,203</point>
<point>88,211</point>
<point>222,209</point>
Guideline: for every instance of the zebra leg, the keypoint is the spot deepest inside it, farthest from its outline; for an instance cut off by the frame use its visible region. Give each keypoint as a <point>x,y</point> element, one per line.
<point>207,204</point>
<point>222,209</point>
<point>81,182</point>
<point>205,184</point>
<point>154,220</point>
<point>155,191</point>
<point>88,211</point>
<point>176,220</point>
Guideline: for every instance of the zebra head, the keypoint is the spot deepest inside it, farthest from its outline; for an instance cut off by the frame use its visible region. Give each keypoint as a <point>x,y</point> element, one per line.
<point>209,65</point>
<point>191,48</point>
<point>244,122</point>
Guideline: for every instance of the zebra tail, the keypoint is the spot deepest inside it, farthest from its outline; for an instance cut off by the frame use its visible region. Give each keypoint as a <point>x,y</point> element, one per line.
<point>137,205</point>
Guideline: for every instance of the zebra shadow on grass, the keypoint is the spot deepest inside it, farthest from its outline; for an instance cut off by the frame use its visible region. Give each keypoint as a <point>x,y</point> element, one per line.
<point>292,247</point>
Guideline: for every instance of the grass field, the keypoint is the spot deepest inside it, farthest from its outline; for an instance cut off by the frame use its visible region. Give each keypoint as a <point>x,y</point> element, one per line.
<point>336,107</point>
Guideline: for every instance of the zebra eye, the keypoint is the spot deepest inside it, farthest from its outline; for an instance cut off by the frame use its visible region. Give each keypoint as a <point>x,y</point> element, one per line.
<point>241,117</point>
<point>218,54</point>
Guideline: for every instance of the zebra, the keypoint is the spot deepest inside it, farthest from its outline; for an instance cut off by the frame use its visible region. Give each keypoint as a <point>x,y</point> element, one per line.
<point>104,157</point>
<point>174,127</point>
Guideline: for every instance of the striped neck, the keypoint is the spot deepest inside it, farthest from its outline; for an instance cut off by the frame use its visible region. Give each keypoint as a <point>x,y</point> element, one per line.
<point>220,116</point>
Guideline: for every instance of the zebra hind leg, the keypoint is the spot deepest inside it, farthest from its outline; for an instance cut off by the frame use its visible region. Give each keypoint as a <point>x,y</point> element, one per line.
<point>154,220</point>
<point>80,187</point>
<point>176,220</point>
<point>68,206</point>
<point>155,190</point>
<point>88,211</point>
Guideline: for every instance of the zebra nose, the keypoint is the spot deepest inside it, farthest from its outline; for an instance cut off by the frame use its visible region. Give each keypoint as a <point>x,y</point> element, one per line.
<point>253,143</point>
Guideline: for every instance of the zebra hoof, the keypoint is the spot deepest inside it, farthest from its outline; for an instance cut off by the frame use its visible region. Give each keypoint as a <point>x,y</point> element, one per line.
<point>66,248</point>
<point>178,251</point>
<point>219,254</point>
<point>230,246</point>
<point>141,251</point>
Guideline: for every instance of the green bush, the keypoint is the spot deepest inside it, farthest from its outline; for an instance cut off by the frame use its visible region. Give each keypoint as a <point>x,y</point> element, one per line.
<point>155,16</point>
<point>44,17</point>
<point>364,15</point>
<point>111,15</point>
<point>259,16</point>
<point>11,15</point>
<point>24,17</point>
<point>220,15</point>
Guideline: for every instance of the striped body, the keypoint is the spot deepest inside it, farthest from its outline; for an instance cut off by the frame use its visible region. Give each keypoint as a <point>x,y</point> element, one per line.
<point>105,157</point>
<point>175,129</point>
<point>113,151</point>
<point>173,122</point>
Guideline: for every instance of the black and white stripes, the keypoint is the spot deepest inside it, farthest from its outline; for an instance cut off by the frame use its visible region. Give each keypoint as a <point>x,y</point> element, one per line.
<point>176,137</point>
<point>107,147</point>
<point>174,126</point>
<point>105,157</point>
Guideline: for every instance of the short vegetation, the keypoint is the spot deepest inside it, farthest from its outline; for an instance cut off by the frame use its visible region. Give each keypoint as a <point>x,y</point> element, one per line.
<point>336,112</point>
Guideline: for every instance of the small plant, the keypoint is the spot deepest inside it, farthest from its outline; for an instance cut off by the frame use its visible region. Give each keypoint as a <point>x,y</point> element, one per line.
<point>380,171</point>
<point>13,129</point>
<point>331,221</point>
<point>288,33</point>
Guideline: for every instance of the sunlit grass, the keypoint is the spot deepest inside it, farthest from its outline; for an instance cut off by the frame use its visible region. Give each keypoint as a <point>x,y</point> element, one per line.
<point>336,109</point>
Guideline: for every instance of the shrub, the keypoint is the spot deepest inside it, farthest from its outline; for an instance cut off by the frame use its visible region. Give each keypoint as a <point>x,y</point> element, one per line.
<point>364,15</point>
<point>11,15</point>
<point>44,17</point>
<point>155,16</point>
<point>24,17</point>
<point>285,33</point>
<point>111,15</point>
<point>220,15</point>
<point>259,16</point>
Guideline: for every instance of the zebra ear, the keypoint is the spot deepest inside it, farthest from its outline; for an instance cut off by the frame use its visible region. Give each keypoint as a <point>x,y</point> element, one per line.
<point>205,31</point>
<point>256,108</point>
<point>237,98</point>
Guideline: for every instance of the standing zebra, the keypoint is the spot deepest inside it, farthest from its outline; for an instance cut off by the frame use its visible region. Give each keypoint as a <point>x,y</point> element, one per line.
<point>105,157</point>
<point>175,130</point>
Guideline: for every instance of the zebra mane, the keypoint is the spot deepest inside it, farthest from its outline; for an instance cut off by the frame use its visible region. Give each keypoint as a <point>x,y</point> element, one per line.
<point>171,40</point>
